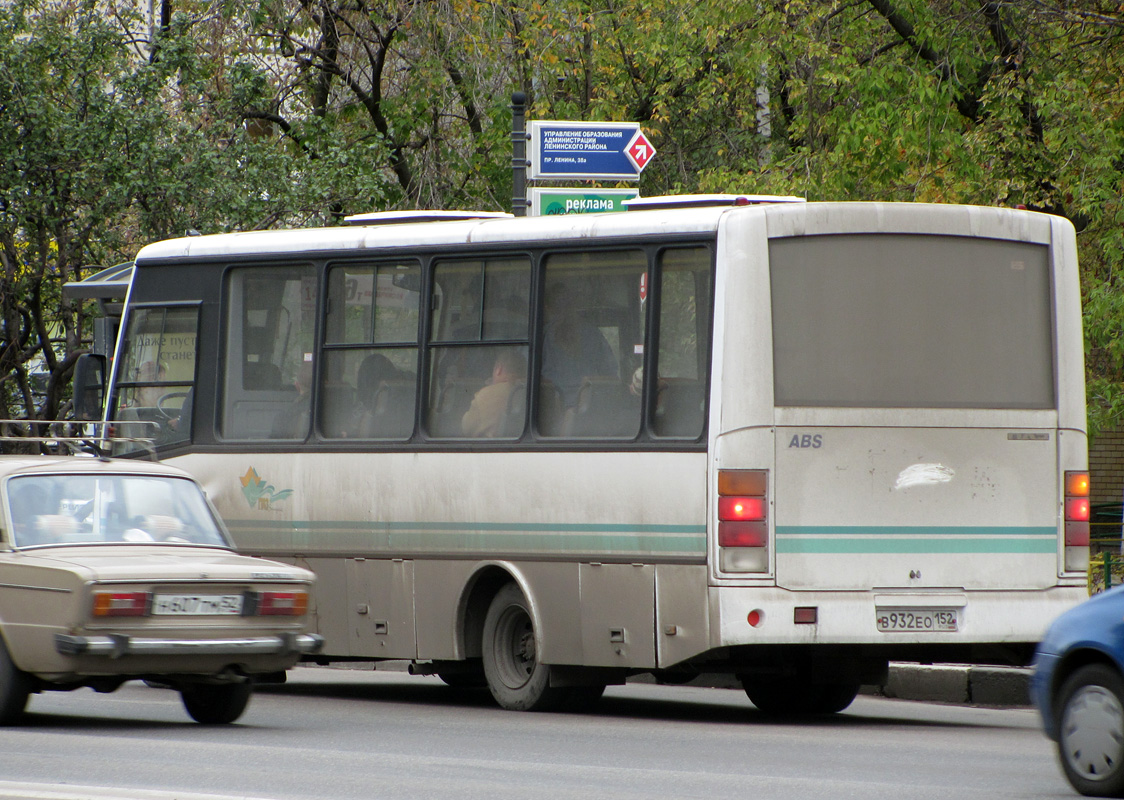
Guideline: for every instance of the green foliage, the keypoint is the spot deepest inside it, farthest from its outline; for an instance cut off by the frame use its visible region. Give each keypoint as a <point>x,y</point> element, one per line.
<point>260,113</point>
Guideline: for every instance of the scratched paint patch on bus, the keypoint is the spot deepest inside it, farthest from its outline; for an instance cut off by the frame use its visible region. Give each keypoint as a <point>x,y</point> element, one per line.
<point>258,493</point>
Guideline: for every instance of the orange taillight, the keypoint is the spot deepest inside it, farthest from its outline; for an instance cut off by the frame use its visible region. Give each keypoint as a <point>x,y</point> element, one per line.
<point>1077,484</point>
<point>121,604</point>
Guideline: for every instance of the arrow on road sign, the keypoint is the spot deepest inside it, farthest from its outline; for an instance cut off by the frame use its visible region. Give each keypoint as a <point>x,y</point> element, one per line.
<point>640,151</point>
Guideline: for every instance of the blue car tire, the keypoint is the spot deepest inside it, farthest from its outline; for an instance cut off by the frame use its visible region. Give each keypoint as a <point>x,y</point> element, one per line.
<point>1091,730</point>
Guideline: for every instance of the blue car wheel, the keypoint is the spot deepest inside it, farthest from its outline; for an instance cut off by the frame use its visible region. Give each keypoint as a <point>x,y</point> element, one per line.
<point>1091,731</point>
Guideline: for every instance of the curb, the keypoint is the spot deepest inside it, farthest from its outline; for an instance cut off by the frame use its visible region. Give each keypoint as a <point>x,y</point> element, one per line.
<point>964,685</point>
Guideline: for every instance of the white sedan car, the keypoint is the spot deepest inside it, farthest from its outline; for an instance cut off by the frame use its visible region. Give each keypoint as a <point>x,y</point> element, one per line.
<point>121,570</point>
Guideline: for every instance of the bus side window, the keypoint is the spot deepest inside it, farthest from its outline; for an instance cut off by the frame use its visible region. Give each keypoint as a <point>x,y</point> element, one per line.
<point>269,335</point>
<point>368,385</point>
<point>593,334</point>
<point>478,347</point>
<point>679,407</point>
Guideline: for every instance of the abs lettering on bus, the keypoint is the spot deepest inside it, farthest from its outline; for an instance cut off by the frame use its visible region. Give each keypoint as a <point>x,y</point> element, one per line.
<point>806,440</point>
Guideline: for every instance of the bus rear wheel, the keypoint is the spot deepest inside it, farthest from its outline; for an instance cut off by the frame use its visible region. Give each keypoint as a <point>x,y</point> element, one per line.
<point>516,678</point>
<point>791,696</point>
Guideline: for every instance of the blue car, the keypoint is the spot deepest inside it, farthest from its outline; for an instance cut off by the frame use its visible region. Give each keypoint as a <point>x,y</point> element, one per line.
<point>1078,687</point>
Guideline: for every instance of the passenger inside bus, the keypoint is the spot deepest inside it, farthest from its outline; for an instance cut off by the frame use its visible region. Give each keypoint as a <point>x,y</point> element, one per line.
<point>150,371</point>
<point>292,421</point>
<point>573,348</point>
<point>385,406</point>
<point>488,413</point>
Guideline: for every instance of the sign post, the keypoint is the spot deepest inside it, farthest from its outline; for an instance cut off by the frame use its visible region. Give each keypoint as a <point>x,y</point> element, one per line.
<point>518,154</point>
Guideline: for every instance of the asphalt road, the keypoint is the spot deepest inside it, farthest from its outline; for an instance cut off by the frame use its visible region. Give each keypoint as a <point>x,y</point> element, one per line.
<point>345,734</point>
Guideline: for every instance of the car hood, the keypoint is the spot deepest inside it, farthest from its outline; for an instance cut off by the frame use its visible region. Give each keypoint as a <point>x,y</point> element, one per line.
<point>165,563</point>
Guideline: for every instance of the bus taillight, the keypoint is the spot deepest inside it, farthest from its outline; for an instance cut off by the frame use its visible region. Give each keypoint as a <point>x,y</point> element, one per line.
<point>743,529</point>
<point>1077,513</point>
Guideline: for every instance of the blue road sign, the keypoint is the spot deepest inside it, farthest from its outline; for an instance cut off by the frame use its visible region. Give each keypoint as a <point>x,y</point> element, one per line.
<point>588,150</point>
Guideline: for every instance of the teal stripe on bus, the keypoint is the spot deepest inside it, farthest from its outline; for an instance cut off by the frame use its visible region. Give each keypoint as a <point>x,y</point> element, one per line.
<point>687,540</point>
<point>922,530</point>
<point>916,539</point>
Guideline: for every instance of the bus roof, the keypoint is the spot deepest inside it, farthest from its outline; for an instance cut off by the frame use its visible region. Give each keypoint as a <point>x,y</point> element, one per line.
<point>452,232</point>
<point>783,219</point>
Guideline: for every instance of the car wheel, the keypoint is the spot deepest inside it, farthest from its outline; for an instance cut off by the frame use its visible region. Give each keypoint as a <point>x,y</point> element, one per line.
<point>15,687</point>
<point>1091,731</point>
<point>516,678</point>
<point>216,703</point>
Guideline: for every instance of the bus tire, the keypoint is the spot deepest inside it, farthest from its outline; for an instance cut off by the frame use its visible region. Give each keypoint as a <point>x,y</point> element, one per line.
<point>1090,731</point>
<point>516,678</point>
<point>216,703</point>
<point>15,688</point>
<point>792,696</point>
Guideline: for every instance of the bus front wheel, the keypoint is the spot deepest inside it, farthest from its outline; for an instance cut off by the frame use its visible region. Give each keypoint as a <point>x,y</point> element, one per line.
<point>516,678</point>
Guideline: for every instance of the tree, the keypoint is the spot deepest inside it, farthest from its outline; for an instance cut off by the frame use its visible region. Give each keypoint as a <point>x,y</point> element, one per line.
<point>108,142</point>
<point>258,113</point>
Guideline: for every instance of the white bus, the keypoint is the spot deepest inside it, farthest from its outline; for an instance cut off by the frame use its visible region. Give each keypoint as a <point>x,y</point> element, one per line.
<point>785,441</point>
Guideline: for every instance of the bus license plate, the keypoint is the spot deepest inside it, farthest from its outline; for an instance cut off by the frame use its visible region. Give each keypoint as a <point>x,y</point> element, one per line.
<point>197,605</point>
<point>923,620</point>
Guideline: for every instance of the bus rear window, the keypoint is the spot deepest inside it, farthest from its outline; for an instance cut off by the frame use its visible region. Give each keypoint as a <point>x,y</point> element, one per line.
<point>911,321</point>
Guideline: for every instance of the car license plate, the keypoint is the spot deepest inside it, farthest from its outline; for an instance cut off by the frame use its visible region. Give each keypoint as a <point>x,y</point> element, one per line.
<point>923,620</point>
<point>199,605</point>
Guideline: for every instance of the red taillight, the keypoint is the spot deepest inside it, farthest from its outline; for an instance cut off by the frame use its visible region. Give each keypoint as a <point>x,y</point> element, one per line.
<point>741,508</point>
<point>1077,534</point>
<point>282,604</point>
<point>742,534</point>
<point>743,530</point>
<point>1077,509</point>
<point>120,604</point>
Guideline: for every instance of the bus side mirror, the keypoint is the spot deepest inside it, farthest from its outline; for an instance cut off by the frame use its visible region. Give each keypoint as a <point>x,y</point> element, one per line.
<point>89,387</point>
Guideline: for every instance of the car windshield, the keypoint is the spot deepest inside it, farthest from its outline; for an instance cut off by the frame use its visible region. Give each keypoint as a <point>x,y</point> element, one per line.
<point>95,509</point>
